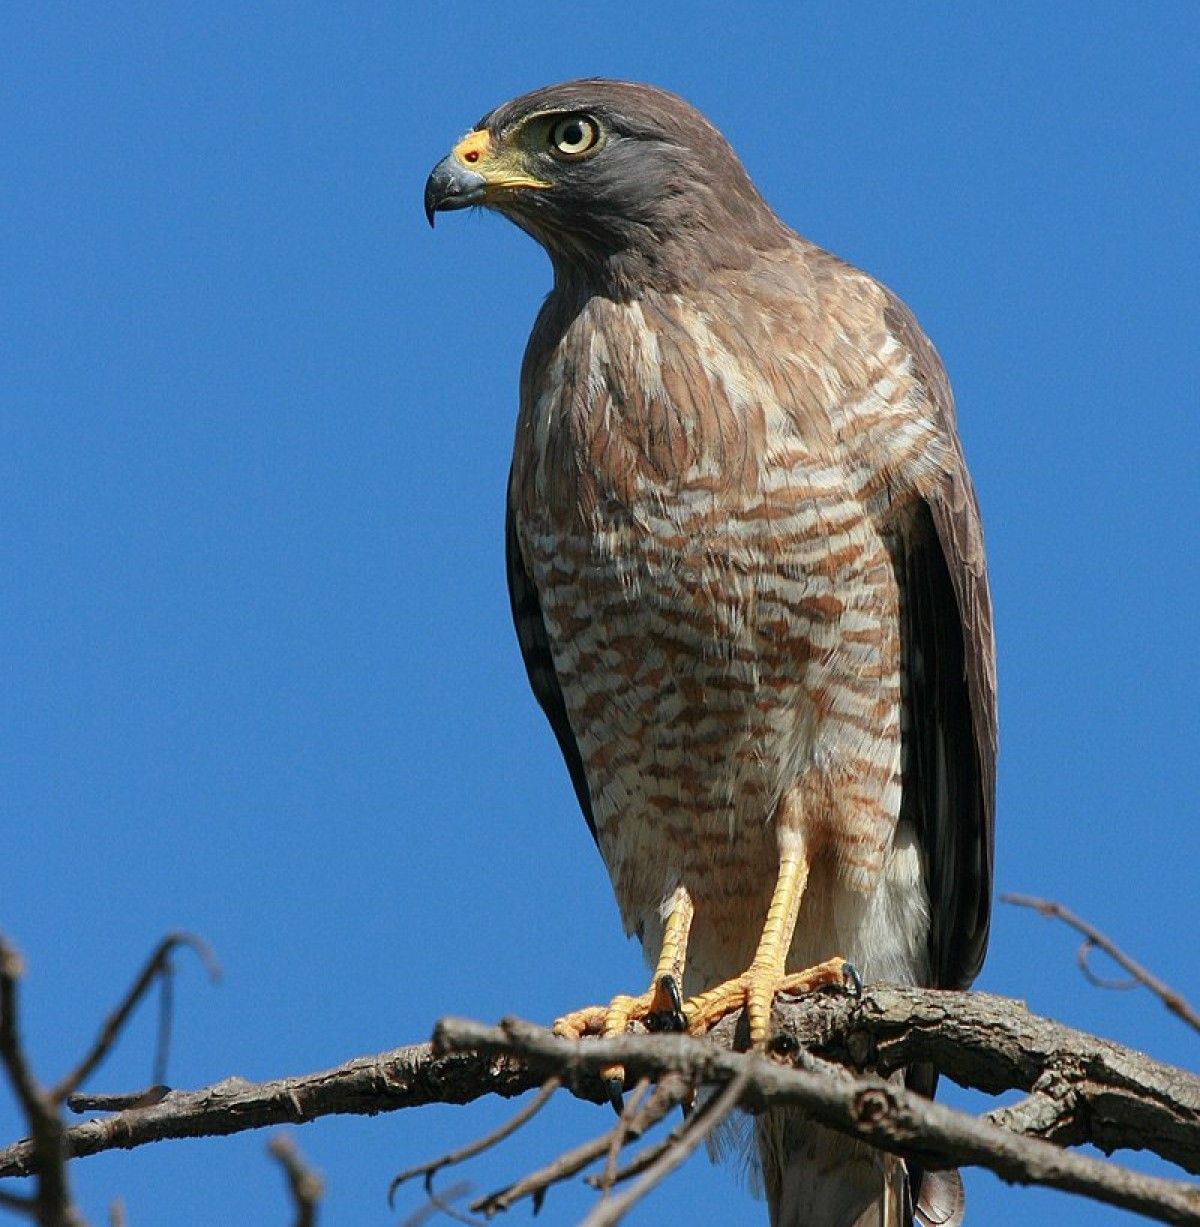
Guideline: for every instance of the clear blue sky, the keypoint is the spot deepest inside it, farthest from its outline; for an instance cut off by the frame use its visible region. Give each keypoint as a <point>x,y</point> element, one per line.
<point>260,680</point>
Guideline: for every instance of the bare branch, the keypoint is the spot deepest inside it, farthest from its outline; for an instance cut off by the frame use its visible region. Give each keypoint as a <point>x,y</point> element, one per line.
<point>611,1210</point>
<point>872,1109</point>
<point>304,1184</point>
<point>668,1093</point>
<point>47,1144</point>
<point>620,1134</point>
<point>1078,1089</point>
<point>1095,940</point>
<point>510,1126</point>
<point>440,1204</point>
<point>80,1102</point>
<point>157,967</point>
<point>51,1206</point>
<point>644,1158</point>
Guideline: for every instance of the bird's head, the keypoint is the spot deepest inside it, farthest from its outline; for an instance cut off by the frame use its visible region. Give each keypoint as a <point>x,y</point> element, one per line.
<point>619,181</point>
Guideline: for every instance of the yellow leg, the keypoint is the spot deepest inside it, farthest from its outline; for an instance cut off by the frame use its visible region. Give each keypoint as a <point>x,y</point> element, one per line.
<point>662,1000</point>
<point>662,995</point>
<point>672,955</point>
<point>757,986</point>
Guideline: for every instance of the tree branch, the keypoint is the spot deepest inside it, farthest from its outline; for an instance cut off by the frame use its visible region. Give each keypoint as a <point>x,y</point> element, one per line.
<point>304,1185</point>
<point>669,1093</point>
<point>1093,939</point>
<point>1079,1088</point>
<point>156,968</point>
<point>609,1211</point>
<point>872,1109</point>
<point>51,1206</point>
<point>431,1168</point>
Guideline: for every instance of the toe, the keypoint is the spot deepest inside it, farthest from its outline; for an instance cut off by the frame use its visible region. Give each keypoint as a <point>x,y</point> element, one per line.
<point>588,1021</point>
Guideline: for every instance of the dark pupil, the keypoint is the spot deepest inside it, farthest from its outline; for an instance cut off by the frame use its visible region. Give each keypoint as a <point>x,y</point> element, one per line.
<point>572,133</point>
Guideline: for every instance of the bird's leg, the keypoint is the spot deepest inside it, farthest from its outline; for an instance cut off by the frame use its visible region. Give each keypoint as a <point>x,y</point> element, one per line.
<point>666,988</point>
<point>659,1008</point>
<point>756,987</point>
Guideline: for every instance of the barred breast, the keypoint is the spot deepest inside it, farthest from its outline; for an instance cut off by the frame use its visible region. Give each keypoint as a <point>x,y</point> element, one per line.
<point>711,554</point>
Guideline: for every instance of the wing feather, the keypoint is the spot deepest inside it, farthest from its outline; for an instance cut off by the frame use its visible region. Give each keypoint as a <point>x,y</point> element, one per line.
<point>951,679</point>
<point>539,663</point>
<point>950,731</point>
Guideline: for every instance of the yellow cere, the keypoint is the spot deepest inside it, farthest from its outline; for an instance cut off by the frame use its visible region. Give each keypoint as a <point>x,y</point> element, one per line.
<point>501,166</point>
<point>472,149</point>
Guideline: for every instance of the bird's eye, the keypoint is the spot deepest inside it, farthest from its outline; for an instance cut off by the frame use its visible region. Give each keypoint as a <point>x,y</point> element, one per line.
<point>574,135</point>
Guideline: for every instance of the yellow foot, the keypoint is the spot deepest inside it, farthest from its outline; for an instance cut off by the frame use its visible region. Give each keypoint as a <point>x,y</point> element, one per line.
<point>756,988</point>
<point>660,1008</point>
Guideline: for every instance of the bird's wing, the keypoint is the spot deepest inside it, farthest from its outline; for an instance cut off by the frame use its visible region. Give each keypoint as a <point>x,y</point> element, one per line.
<point>951,677</point>
<point>539,664</point>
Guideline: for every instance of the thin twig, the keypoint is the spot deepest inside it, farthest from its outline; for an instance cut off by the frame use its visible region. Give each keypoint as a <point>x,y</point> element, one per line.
<point>1094,939</point>
<point>437,1205</point>
<point>670,1092</point>
<point>700,1125</point>
<point>446,1208</point>
<point>148,1095</point>
<point>304,1185</point>
<point>510,1126</point>
<point>166,1018</point>
<point>158,964</point>
<point>643,1159</point>
<point>1094,978</point>
<point>620,1134</point>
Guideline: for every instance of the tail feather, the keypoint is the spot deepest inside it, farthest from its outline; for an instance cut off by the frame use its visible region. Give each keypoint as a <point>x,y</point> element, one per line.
<point>942,1202</point>
<point>815,1177</point>
<point>812,1176</point>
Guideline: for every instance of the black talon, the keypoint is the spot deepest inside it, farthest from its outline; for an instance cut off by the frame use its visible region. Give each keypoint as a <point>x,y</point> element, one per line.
<point>616,1094</point>
<point>854,984</point>
<point>672,1020</point>
<point>671,988</point>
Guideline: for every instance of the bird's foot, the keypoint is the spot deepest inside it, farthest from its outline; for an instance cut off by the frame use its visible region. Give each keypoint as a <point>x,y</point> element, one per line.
<point>756,989</point>
<point>660,1008</point>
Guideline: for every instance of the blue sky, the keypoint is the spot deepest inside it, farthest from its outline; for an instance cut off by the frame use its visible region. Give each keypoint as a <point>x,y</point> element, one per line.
<point>260,677</point>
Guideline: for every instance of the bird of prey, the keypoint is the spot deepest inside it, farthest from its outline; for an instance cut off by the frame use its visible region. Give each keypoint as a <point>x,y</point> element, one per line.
<point>747,576</point>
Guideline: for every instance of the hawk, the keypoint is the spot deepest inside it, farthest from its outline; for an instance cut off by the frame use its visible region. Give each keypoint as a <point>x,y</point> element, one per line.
<point>747,577</point>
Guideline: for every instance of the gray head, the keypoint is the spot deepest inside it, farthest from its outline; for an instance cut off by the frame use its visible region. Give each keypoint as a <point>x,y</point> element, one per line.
<point>621,183</point>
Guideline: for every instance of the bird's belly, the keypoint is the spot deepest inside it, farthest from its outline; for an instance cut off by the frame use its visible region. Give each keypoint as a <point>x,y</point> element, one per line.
<point>702,685</point>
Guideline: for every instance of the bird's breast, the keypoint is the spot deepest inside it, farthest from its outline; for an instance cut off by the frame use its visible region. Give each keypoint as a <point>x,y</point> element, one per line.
<point>719,603</point>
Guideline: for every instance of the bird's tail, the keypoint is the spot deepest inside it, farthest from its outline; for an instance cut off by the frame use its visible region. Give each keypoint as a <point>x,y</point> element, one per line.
<point>815,1177</point>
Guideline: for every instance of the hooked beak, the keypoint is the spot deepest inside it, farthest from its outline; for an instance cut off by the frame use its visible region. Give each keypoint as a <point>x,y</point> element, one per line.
<point>452,186</point>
